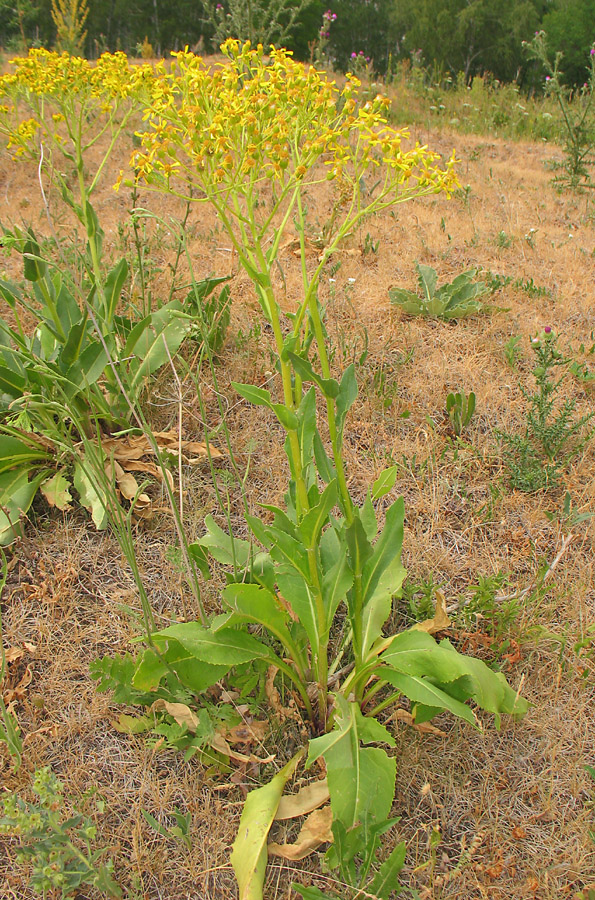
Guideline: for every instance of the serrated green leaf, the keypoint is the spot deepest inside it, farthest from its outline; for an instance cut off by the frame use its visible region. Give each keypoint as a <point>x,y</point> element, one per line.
<point>56,491</point>
<point>222,547</point>
<point>417,653</point>
<point>89,497</point>
<point>226,647</point>
<point>421,690</point>
<point>386,880</point>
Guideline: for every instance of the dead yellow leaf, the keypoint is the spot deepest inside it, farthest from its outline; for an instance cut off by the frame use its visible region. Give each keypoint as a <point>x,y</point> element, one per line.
<point>307,799</point>
<point>440,619</point>
<point>401,715</point>
<point>218,743</point>
<point>315,831</point>
<point>18,692</point>
<point>182,714</point>
<point>253,733</point>
<point>127,483</point>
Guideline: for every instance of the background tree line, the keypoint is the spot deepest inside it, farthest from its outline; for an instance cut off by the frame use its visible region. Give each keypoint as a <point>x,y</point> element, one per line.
<point>469,36</point>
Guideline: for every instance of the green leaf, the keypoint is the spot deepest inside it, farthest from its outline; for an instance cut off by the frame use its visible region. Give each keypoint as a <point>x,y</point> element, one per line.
<point>312,893</point>
<point>78,335</point>
<point>199,557</point>
<point>360,548</point>
<point>416,653</point>
<point>303,367</point>
<point>249,852</point>
<point>421,690</point>
<point>126,724</point>
<point>307,425</point>
<point>15,453</point>
<point>113,289</point>
<point>11,382</point>
<point>298,593</point>
<point>361,779</point>
<point>56,491</point>
<point>88,368</point>
<point>368,517</point>
<point>16,496</point>
<point>384,483</point>
<point>317,517</point>
<point>253,603</point>
<point>379,570</point>
<point>10,293</point>
<point>89,497</point>
<point>324,463</point>
<point>91,221</point>
<point>149,671</point>
<point>257,396</point>
<point>158,340</point>
<point>286,416</point>
<point>345,398</point>
<point>69,313</point>
<point>225,549</point>
<point>386,880</point>
<point>226,647</point>
<point>34,266</point>
<point>427,279</point>
<point>336,582</point>
<point>194,674</point>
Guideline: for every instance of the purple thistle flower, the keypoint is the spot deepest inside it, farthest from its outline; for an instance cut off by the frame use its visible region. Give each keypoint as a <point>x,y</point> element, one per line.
<point>548,329</point>
<point>354,55</point>
<point>592,51</point>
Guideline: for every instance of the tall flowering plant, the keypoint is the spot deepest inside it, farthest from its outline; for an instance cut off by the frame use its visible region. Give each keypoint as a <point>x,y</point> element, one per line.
<point>251,137</point>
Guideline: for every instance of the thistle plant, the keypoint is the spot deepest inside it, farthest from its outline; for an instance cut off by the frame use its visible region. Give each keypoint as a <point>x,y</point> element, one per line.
<point>309,593</point>
<point>552,435</point>
<point>578,113</point>
<point>259,21</point>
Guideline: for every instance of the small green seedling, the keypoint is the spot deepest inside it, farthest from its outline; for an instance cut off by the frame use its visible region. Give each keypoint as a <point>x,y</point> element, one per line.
<point>460,408</point>
<point>180,831</point>
<point>454,300</point>
<point>512,351</point>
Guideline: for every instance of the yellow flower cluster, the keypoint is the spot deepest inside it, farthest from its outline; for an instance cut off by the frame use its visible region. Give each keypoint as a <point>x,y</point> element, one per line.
<point>55,87</point>
<point>254,117</point>
<point>49,74</point>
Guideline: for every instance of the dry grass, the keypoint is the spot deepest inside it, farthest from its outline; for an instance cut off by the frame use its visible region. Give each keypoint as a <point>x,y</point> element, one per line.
<point>513,807</point>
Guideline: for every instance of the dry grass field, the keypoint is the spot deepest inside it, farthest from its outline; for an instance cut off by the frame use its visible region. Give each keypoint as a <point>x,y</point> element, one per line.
<point>485,814</point>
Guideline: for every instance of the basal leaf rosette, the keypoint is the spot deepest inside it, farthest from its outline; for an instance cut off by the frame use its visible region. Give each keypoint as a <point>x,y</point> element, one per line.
<point>229,127</point>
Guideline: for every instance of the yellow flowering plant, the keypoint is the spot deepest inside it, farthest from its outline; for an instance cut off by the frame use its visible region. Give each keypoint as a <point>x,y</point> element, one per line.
<point>316,581</point>
<point>90,354</point>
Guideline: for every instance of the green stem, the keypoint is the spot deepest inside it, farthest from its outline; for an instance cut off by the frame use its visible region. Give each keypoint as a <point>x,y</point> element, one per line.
<point>384,704</point>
